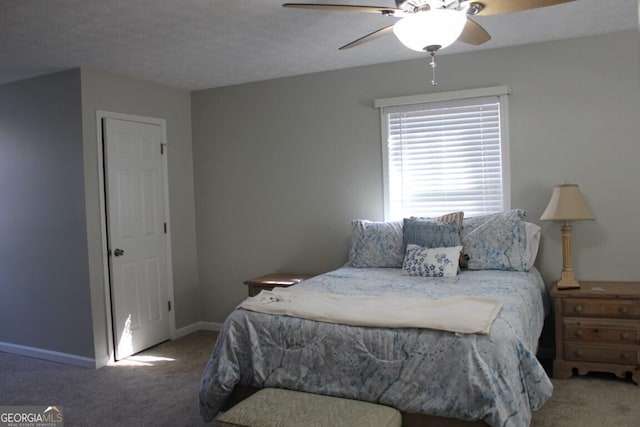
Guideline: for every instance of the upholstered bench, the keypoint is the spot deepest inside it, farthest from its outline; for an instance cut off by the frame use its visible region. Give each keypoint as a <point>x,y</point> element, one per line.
<point>274,407</point>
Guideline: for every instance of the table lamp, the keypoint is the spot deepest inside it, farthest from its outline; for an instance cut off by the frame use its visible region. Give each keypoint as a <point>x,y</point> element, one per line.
<point>566,205</point>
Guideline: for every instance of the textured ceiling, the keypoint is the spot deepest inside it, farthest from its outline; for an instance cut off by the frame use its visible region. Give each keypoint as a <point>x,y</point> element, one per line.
<point>196,44</point>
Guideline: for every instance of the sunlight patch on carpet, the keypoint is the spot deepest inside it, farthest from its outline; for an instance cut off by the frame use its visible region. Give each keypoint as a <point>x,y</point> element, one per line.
<point>142,360</point>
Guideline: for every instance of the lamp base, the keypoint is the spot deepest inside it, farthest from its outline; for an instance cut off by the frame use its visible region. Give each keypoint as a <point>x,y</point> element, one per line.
<point>567,277</point>
<point>568,284</point>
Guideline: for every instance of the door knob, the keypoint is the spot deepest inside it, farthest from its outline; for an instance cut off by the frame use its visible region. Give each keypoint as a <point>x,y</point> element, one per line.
<point>118,252</point>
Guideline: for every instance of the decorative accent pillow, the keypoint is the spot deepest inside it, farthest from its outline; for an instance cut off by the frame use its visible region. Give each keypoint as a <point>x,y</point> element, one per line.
<point>458,217</point>
<point>431,262</point>
<point>496,242</point>
<point>430,234</point>
<point>376,244</point>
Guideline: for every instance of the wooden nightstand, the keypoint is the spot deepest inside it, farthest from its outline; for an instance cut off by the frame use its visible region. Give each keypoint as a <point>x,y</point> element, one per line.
<point>598,329</point>
<point>271,281</point>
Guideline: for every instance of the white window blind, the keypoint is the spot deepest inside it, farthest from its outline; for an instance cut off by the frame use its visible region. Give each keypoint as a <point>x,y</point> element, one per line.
<point>445,156</point>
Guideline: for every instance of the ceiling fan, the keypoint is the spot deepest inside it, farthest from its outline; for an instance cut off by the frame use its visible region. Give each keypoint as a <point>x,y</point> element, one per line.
<point>430,25</point>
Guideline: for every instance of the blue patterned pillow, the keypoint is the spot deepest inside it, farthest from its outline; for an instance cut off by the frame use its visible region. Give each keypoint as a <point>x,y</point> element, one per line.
<point>376,244</point>
<point>458,217</point>
<point>431,262</point>
<point>496,242</point>
<point>430,234</point>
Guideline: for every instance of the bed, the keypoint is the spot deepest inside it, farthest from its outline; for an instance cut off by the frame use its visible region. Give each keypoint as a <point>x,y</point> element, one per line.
<point>494,377</point>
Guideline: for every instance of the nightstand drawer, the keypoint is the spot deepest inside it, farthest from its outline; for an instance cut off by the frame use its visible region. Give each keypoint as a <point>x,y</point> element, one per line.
<point>600,354</point>
<point>602,331</point>
<point>601,308</point>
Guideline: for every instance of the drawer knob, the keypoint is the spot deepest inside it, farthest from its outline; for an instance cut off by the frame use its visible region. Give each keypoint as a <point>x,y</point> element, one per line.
<point>579,333</point>
<point>623,310</point>
<point>625,356</point>
<point>578,353</point>
<point>577,309</point>
<point>625,335</point>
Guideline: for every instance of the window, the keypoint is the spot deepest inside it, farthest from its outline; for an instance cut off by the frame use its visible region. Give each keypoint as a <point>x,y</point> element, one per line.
<point>445,152</point>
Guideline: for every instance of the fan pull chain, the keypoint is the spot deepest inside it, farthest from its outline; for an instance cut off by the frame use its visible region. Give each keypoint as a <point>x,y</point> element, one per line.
<point>431,50</point>
<point>433,69</point>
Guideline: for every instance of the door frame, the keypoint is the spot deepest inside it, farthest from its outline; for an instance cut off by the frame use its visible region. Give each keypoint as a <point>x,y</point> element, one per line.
<point>100,115</point>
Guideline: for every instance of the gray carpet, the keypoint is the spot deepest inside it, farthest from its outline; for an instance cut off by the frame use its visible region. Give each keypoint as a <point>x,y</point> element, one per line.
<point>160,386</point>
<point>594,400</point>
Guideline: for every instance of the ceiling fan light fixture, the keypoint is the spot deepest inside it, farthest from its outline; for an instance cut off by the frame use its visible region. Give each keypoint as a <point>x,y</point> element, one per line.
<point>436,27</point>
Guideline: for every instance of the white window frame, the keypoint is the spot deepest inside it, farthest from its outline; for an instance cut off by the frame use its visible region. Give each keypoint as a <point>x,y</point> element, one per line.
<point>500,92</point>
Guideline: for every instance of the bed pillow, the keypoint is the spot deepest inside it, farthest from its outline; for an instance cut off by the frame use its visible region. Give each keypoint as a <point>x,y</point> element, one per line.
<point>376,244</point>
<point>430,234</point>
<point>496,242</point>
<point>533,242</point>
<point>431,262</point>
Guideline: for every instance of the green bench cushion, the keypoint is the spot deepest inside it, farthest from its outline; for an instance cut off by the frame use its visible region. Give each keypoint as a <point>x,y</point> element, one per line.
<point>273,407</point>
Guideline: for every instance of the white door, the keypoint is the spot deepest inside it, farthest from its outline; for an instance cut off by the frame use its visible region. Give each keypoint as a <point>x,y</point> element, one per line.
<point>136,233</point>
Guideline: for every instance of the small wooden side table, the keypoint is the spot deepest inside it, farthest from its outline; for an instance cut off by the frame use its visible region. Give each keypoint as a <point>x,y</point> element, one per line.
<point>598,329</point>
<point>276,280</point>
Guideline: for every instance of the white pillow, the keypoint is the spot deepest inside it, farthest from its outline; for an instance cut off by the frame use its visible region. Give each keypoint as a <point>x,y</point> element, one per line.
<point>431,262</point>
<point>533,241</point>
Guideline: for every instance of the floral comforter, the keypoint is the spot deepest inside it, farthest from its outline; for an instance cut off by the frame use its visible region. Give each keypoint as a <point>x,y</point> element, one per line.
<point>495,377</point>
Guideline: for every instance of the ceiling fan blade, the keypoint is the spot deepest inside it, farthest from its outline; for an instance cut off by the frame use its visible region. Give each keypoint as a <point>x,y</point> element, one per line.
<point>473,33</point>
<point>387,11</point>
<point>496,7</point>
<point>371,36</point>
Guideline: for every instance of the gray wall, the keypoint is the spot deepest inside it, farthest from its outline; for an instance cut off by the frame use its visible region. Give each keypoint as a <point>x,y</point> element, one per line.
<point>282,166</point>
<point>114,93</point>
<point>52,290</point>
<point>44,275</point>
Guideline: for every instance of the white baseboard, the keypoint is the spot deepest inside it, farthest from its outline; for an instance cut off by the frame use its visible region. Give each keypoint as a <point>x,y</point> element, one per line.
<point>53,356</point>
<point>198,326</point>
<point>87,362</point>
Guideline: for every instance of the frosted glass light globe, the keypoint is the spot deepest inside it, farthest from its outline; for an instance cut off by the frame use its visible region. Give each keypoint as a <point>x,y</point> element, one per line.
<point>438,27</point>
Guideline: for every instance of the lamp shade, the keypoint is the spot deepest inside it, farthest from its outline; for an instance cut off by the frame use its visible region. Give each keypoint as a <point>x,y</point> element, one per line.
<point>567,204</point>
<point>437,27</point>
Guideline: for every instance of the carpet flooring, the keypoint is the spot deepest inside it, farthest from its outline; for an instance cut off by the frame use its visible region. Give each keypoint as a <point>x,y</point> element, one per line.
<point>159,387</point>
